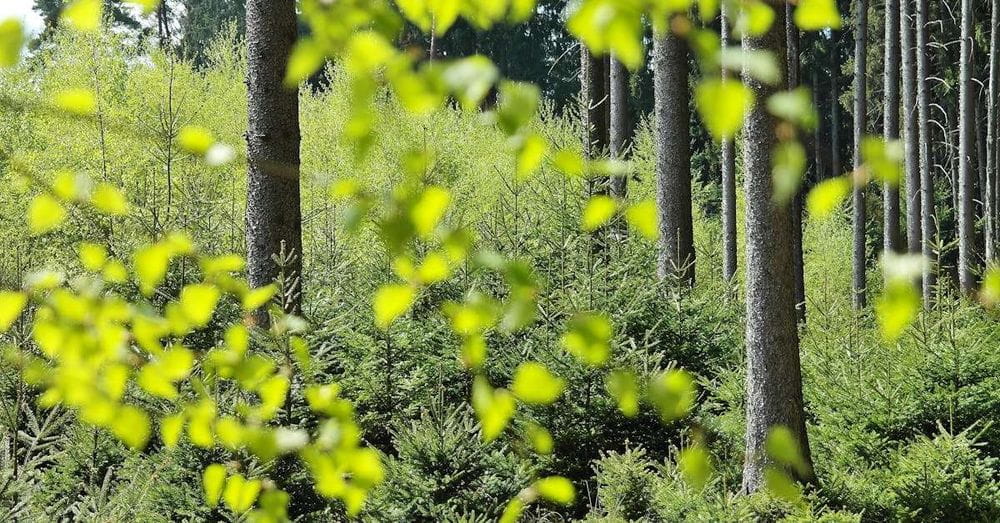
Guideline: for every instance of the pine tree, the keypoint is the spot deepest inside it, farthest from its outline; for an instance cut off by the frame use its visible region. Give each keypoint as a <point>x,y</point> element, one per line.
<point>966,122</point>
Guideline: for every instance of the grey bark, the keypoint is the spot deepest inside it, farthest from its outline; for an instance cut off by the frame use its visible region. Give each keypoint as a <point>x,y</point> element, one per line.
<point>673,158</point>
<point>728,180</point>
<point>860,114</point>
<point>274,216</point>
<point>774,380</point>
<point>891,241</point>
<point>966,116</point>
<point>621,123</point>
<point>836,166</point>
<point>911,138</point>
<point>595,101</point>
<point>989,192</point>
<point>792,81</point>
<point>927,223</point>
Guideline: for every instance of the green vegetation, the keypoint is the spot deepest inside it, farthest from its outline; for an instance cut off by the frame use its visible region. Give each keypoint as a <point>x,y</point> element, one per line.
<point>475,328</point>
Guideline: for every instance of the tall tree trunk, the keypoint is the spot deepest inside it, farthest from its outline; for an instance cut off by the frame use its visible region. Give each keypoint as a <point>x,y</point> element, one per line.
<point>860,117</point>
<point>891,241</point>
<point>594,97</point>
<point>728,180</point>
<point>274,216</point>
<point>820,144</point>
<point>774,381</point>
<point>927,214</point>
<point>991,132</point>
<point>911,139</point>
<point>836,165</point>
<point>966,116</point>
<point>792,81</point>
<point>673,158</point>
<point>621,123</point>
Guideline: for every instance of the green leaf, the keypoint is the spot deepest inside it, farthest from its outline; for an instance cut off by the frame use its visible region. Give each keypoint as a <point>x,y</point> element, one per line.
<point>556,489</point>
<point>884,159</point>
<point>171,428</point>
<point>783,447</point>
<point>642,217</point>
<point>77,102</point>
<point>695,465</point>
<point>624,388</point>
<point>758,64</point>
<point>391,301</point>
<point>109,200</point>
<point>11,42</point>
<point>429,209</point>
<point>609,25</point>
<point>195,139</point>
<point>494,408</point>
<point>780,485</point>
<point>213,478</point>
<point>131,426</point>
<point>541,439</point>
<point>827,195</point>
<point>533,383</point>
<point>989,293</point>
<point>599,210</point>
<point>83,15</point>
<point>517,103</point>
<point>788,168</point>
<point>673,394</point>
<point>588,338</point>
<point>813,15</point>
<point>257,298</point>
<point>795,106</point>
<point>241,493</point>
<point>512,512</point>
<point>306,58</point>
<point>722,106</point>
<point>530,154</point>
<point>198,302</point>
<point>896,308</point>
<point>470,79</point>
<point>11,306</point>
<point>151,264</point>
<point>754,19</point>
<point>44,215</point>
<point>428,15</point>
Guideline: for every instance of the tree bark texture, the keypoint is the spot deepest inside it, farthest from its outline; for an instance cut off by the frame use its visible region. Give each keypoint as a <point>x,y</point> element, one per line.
<point>729,262</point>
<point>927,223</point>
<point>966,119</point>
<point>911,137</point>
<point>860,117</point>
<point>891,241</point>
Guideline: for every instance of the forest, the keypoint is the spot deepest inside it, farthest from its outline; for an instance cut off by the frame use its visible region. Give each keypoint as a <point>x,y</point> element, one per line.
<point>499,260</point>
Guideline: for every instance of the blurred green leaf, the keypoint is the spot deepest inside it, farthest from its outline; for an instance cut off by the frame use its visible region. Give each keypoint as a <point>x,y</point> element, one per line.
<point>673,394</point>
<point>813,15</point>
<point>789,165</point>
<point>533,383</point>
<point>827,195</point>
<point>556,489</point>
<point>723,106</point>
<point>588,337</point>
<point>11,41</point>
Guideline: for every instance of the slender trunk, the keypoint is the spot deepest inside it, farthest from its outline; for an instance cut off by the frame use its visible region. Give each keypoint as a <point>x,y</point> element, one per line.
<point>595,104</point>
<point>274,216</point>
<point>728,181</point>
<point>792,81</point>
<point>860,114</point>
<point>673,158</point>
<point>927,213</point>
<point>966,115</point>
<point>774,381</point>
<point>911,143</point>
<point>891,241</point>
<point>820,145</point>
<point>621,123</point>
<point>836,167</point>
<point>989,192</point>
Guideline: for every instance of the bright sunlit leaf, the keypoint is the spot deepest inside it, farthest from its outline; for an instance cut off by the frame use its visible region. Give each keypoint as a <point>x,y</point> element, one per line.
<point>11,41</point>
<point>673,394</point>
<point>642,217</point>
<point>624,388</point>
<point>754,18</point>
<point>429,209</point>
<point>171,428</point>
<point>131,426</point>
<point>530,154</point>
<point>827,195</point>
<point>556,489</point>
<point>599,210</point>
<point>695,465</point>
<point>213,478</point>
<point>198,302</point>
<point>391,302</point>
<point>813,15</point>
<point>45,214</point>
<point>109,200</point>
<point>493,407</point>
<point>722,106</point>
<point>470,79</point>
<point>11,306</point>
<point>589,338</point>
<point>788,160</point>
<point>83,15</point>
<point>151,265</point>
<point>896,308</point>
<point>780,485</point>
<point>533,383</point>
<point>78,102</point>
<point>783,447</point>
<point>884,159</point>
<point>195,140</point>
<point>795,106</point>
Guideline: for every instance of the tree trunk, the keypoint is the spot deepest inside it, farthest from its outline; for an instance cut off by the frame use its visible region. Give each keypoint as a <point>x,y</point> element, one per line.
<point>595,104</point>
<point>989,192</point>
<point>927,225</point>
<point>728,180</point>
<point>621,123</point>
<point>274,217</point>
<point>792,81</point>
<point>673,158</point>
<point>911,143</point>
<point>774,381</point>
<point>890,123</point>
<point>836,166</point>
<point>860,117</point>
<point>966,116</point>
